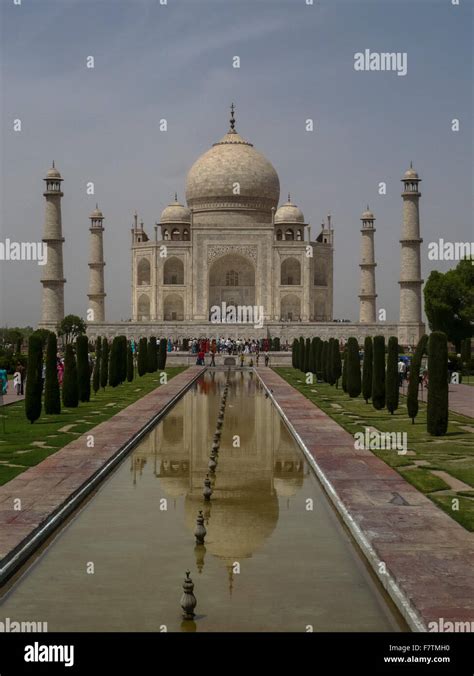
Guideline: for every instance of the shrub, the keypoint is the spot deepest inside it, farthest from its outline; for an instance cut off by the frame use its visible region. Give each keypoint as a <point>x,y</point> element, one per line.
<point>307,354</point>
<point>319,359</point>
<point>114,366</point>
<point>301,354</point>
<point>52,394</point>
<point>312,358</point>
<point>324,360</point>
<point>344,370</point>
<point>337,364</point>
<point>294,353</point>
<point>162,354</point>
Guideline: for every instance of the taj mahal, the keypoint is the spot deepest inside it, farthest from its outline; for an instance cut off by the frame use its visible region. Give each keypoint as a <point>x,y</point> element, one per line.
<point>234,244</point>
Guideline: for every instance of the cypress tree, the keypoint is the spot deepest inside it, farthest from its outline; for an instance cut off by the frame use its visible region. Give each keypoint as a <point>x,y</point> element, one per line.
<point>378,374</point>
<point>162,353</point>
<point>319,359</point>
<point>142,357</point>
<point>437,413</point>
<point>324,361</point>
<point>96,372</point>
<point>294,353</point>
<point>83,368</point>
<point>104,363</point>
<point>122,364</point>
<point>367,369</point>
<point>152,357</point>
<point>330,362</point>
<point>70,384</point>
<point>312,360</point>
<point>34,382</point>
<point>391,378</point>
<point>307,355</point>
<point>301,354</point>
<point>344,370</point>
<point>130,368</point>
<point>337,364</point>
<point>52,395</point>
<point>354,383</point>
<point>114,366</point>
<point>414,380</point>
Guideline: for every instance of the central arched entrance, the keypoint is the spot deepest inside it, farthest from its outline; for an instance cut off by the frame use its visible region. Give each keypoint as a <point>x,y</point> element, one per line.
<point>232,281</point>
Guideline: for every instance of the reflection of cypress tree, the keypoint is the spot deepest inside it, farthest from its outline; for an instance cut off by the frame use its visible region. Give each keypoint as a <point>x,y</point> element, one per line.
<point>367,369</point>
<point>83,368</point>
<point>391,379</point>
<point>162,353</point>
<point>104,364</point>
<point>344,370</point>
<point>142,356</point>
<point>34,384</point>
<point>52,395</point>
<point>70,384</point>
<point>96,373</point>
<point>152,357</point>
<point>378,374</point>
<point>294,353</point>
<point>130,368</point>
<point>337,365</point>
<point>353,384</point>
<point>437,413</point>
<point>414,381</point>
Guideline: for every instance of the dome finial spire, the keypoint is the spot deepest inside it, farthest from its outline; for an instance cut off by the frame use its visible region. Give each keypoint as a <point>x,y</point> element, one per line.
<point>289,198</point>
<point>232,118</point>
<point>176,197</point>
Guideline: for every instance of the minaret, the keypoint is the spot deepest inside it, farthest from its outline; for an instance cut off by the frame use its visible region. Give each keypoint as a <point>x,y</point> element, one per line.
<point>367,266</point>
<point>96,295</point>
<point>411,327</point>
<point>52,308</point>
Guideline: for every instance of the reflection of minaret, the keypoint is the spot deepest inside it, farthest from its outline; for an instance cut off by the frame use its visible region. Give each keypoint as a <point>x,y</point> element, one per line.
<point>52,310</point>
<point>411,327</point>
<point>96,293</point>
<point>367,266</point>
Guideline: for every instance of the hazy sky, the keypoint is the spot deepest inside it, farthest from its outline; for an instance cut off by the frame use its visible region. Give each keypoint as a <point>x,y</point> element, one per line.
<point>175,62</point>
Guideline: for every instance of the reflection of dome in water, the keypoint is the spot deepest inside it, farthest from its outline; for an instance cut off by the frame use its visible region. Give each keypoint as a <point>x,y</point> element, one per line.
<point>237,527</point>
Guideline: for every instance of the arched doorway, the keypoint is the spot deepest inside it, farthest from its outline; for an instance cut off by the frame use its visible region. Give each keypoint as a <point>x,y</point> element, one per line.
<point>232,281</point>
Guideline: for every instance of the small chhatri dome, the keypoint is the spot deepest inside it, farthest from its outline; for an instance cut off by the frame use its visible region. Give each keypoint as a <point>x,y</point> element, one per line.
<point>410,173</point>
<point>232,161</point>
<point>53,172</point>
<point>175,212</point>
<point>367,215</point>
<point>289,213</point>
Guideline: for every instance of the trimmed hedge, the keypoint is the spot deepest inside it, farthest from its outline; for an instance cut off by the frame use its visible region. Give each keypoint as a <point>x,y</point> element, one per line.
<point>34,380</point>
<point>391,378</point>
<point>96,372</point>
<point>52,393</point>
<point>437,412</point>
<point>354,383</point>
<point>70,384</point>
<point>83,368</point>
<point>367,369</point>
<point>378,374</point>
<point>104,363</point>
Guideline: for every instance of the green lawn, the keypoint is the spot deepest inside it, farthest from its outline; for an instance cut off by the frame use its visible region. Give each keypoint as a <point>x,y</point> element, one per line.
<point>453,453</point>
<point>18,449</point>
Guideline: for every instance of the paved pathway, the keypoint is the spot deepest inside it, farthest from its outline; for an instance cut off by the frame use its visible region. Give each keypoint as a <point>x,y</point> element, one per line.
<point>45,488</point>
<point>461,398</point>
<point>426,553</point>
<point>10,398</point>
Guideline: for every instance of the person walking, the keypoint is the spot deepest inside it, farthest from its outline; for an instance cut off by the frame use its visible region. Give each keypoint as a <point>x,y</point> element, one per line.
<point>3,381</point>
<point>17,383</point>
<point>21,369</point>
<point>267,359</point>
<point>401,372</point>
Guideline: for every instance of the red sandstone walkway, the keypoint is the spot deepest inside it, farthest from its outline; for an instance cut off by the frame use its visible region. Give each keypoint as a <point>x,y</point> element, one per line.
<point>461,398</point>
<point>427,555</point>
<point>45,488</point>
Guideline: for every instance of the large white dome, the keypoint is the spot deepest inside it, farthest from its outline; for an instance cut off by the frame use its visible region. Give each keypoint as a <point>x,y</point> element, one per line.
<point>232,175</point>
